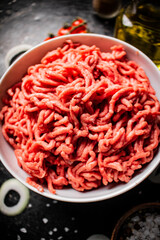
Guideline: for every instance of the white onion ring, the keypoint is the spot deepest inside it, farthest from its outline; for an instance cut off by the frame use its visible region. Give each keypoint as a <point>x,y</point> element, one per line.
<point>13,52</point>
<point>13,184</point>
<point>98,237</point>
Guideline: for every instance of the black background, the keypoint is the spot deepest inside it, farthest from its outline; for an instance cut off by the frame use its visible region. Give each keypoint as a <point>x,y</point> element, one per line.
<point>29,22</point>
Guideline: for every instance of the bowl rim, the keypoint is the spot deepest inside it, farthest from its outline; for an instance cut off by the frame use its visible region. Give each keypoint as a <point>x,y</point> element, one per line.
<point>67,37</point>
<point>92,198</point>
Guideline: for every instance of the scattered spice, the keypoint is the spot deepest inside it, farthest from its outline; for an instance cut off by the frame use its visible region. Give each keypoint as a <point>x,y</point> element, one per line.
<point>24,230</point>
<point>50,233</point>
<point>45,220</point>
<point>55,229</point>
<point>48,205</point>
<point>66,229</point>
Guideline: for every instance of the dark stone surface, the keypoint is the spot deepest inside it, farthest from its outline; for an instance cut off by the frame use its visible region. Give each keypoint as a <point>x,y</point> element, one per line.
<point>29,22</point>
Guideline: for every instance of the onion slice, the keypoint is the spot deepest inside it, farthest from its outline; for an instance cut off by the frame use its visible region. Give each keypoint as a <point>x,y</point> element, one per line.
<point>13,184</point>
<point>98,237</point>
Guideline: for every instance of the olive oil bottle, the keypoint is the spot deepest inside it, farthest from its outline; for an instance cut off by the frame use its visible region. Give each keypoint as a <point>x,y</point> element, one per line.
<point>139,25</point>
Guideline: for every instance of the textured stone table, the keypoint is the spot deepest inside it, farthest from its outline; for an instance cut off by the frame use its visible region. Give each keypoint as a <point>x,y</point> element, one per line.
<point>29,22</point>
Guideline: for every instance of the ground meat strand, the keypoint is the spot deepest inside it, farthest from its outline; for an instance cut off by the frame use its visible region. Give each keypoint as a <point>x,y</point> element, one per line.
<point>82,118</point>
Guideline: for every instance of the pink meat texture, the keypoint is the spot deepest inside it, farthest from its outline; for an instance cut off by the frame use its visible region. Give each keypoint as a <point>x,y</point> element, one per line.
<point>82,118</point>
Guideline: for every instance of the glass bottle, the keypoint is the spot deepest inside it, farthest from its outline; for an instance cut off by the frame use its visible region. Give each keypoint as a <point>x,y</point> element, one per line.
<point>139,25</point>
<point>106,8</point>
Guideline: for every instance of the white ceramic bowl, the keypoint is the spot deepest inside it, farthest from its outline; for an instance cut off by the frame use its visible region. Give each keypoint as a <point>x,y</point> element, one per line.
<point>33,56</point>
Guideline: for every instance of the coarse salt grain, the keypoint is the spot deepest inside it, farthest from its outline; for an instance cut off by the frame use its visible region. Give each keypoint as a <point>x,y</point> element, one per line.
<point>66,229</point>
<point>45,220</point>
<point>50,232</point>
<point>157,220</point>
<point>149,228</point>
<point>30,205</point>
<point>60,237</point>
<point>24,230</point>
<point>55,229</point>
